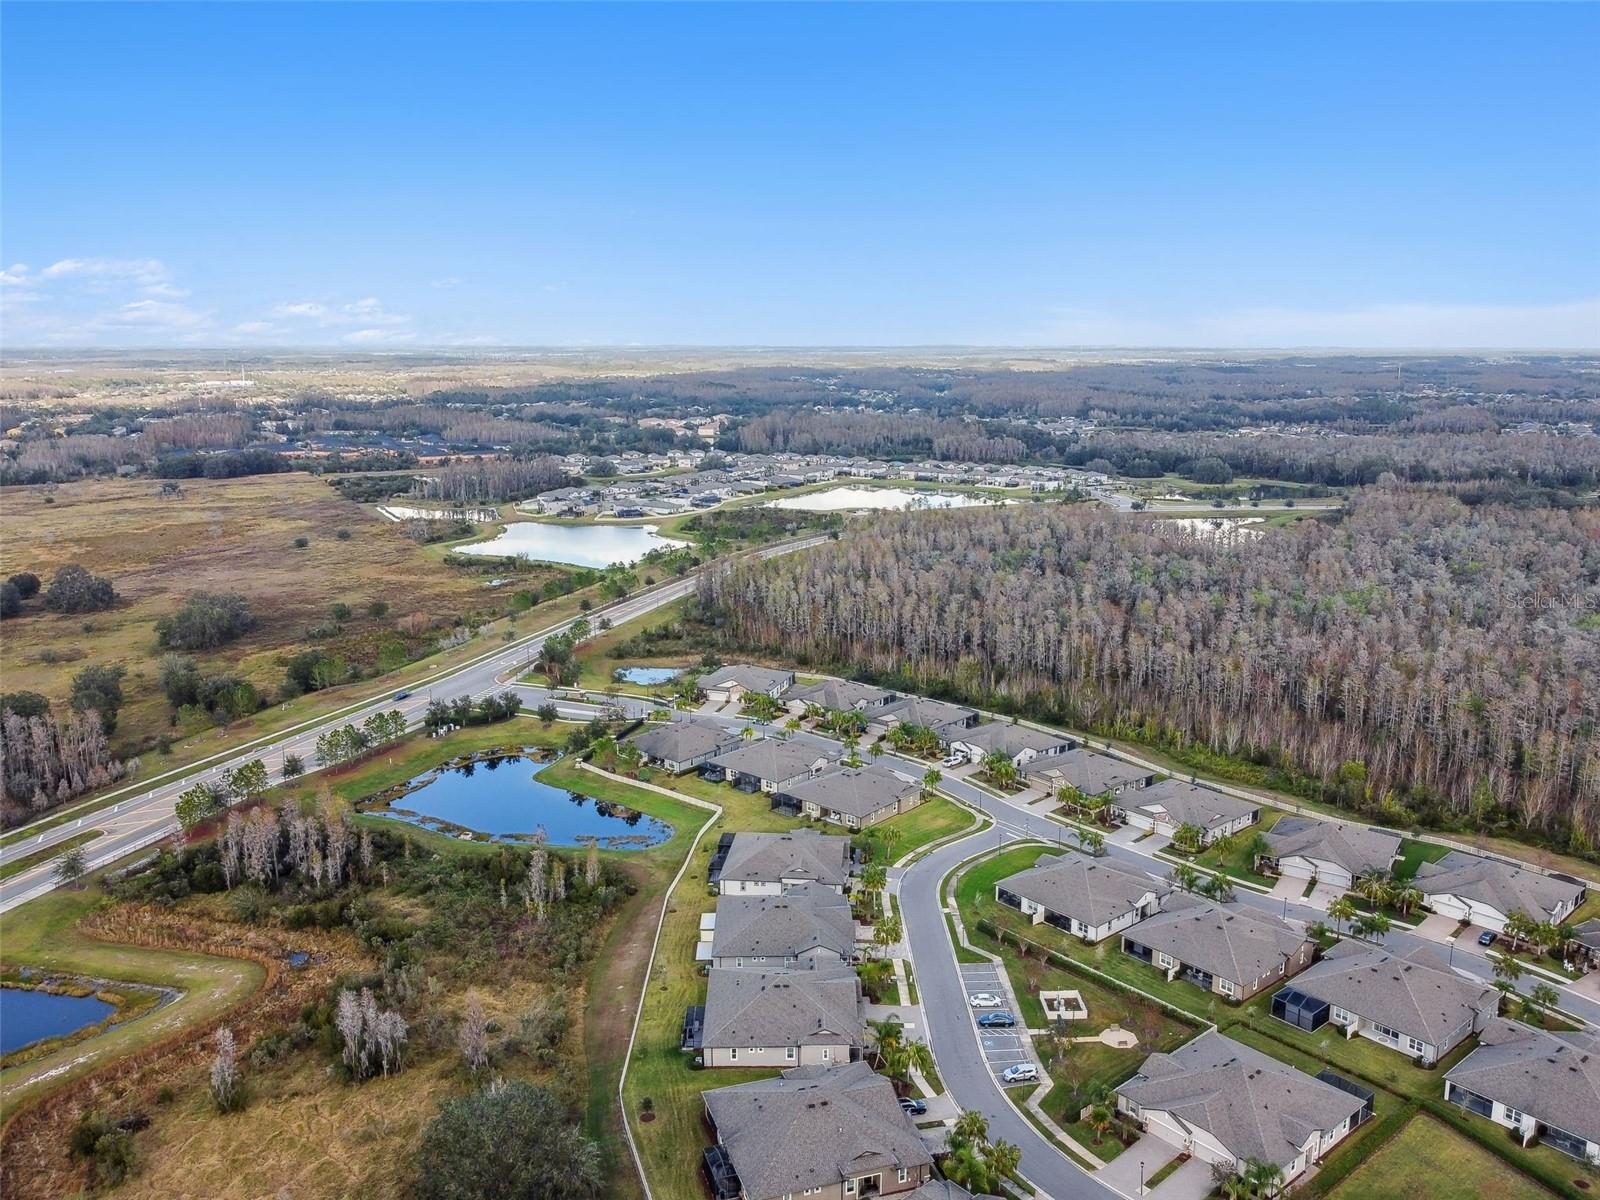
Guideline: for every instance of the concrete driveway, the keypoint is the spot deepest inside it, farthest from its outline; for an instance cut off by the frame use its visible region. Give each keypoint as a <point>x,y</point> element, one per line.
<point>1322,896</point>
<point>1192,1181</point>
<point>1437,928</point>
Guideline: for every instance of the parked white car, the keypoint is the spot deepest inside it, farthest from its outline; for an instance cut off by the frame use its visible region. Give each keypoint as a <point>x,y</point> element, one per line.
<point>984,1000</point>
<point>1021,1073</point>
<point>953,761</point>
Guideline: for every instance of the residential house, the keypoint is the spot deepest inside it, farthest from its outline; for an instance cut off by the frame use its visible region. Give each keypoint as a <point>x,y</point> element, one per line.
<point>808,926</point>
<point>782,1018</point>
<point>1330,852</point>
<point>1227,1103</point>
<point>768,864</point>
<point>1167,806</point>
<point>1090,773</point>
<point>1542,1085</point>
<point>1413,1003</point>
<point>833,1133</point>
<point>1485,891</point>
<point>946,720</point>
<point>839,695</point>
<point>1089,898</point>
<point>730,683</point>
<point>854,797</point>
<point>1021,744</point>
<point>770,764</point>
<point>681,745</point>
<point>1226,951</point>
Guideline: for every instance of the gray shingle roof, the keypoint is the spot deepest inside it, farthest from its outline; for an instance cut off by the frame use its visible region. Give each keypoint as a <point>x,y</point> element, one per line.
<point>1554,1077</point>
<point>1230,943</point>
<point>804,918</point>
<point>1497,884</point>
<point>1092,890</point>
<point>841,694</point>
<point>747,1008</point>
<point>772,758</point>
<point>1353,847</point>
<point>812,1127</point>
<point>802,855</point>
<point>916,710</point>
<point>1187,804</point>
<point>1416,993</point>
<point>856,791</point>
<point>1090,773</point>
<point>1002,737</point>
<point>1253,1104</point>
<point>679,741</point>
<point>756,679</point>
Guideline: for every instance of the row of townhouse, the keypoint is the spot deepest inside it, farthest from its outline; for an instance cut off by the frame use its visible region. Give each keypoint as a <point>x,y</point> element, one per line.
<point>1227,1103</point>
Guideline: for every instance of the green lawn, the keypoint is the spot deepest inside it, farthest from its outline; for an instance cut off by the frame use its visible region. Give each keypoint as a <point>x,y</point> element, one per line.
<point>1430,1161</point>
<point>1233,857</point>
<point>929,822</point>
<point>1413,854</point>
<point>43,933</point>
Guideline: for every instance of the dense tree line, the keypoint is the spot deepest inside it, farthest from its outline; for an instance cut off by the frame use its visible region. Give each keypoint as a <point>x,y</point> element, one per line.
<point>1424,652</point>
<point>205,621</point>
<point>482,480</point>
<point>44,762</point>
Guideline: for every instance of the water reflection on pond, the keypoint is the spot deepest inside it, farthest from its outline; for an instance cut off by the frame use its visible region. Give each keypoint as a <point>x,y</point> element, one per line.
<point>28,1016</point>
<point>503,797</point>
<point>596,546</point>
<point>648,676</point>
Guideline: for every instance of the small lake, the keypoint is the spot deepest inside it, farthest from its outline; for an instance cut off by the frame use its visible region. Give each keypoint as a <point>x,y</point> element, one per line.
<point>1220,529</point>
<point>596,546</point>
<point>648,676</point>
<point>28,1016</point>
<point>845,499</point>
<point>504,798</point>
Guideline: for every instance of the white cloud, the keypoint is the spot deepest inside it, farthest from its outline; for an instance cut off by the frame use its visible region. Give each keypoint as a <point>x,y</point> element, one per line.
<point>305,308</point>
<point>255,327</point>
<point>143,271</point>
<point>1568,326</point>
<point>166,291</point>
<point>377,337</point>
<point>449,281</point>
<point>16,275</point>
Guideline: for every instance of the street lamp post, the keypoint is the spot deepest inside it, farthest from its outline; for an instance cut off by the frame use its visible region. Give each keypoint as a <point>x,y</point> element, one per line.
<point>1141,1177</point>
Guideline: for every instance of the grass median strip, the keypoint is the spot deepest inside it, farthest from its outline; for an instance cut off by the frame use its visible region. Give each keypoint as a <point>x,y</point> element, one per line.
<point>28,861</point>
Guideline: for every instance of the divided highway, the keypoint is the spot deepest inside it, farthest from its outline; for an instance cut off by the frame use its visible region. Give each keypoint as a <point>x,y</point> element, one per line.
<point>145,814</point>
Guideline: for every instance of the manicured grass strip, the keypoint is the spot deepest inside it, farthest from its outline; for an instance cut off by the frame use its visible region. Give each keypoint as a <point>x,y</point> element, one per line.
<point>1427,1159</point>
<point>1413,854</point>
<point>1161,1175</point>
<point>46,853</point>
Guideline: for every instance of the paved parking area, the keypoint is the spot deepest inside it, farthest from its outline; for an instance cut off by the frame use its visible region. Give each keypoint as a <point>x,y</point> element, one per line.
<point>1002,1048</point>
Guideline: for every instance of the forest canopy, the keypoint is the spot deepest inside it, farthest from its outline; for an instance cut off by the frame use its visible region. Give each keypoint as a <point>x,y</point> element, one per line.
<point>1450,653</point>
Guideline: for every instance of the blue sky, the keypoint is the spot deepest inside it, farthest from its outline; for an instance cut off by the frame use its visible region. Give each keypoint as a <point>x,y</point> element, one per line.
<point>375,176</point>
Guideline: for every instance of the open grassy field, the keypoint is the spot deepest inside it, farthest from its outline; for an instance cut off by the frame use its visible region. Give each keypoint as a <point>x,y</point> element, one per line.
<point>233,535</point>
<point>1429,1161</point>
<point>44,933</point>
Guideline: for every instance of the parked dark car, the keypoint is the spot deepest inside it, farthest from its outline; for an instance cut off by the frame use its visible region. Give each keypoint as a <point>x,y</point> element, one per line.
<point>997,1020</point>
<point>913,1107</point>
<point>1487,937</point>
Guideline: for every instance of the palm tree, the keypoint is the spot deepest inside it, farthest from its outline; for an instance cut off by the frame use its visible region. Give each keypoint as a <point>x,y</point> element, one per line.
<point>1342,910</point>
<point>874,876</point>
<point>876,750</point>
<point>1235,1187</point>
<point>748,733</point>
<point>1091,842</point>
<point>963,1166</point>
<point>1518,928</point>
<point>885,1037</point>
<point>971,1127</point>
<point>1100,1122</point>
<point>1185,876</point>
<point>1373,925</point>
<point>1189,837</point>
<point>1003,1159</point>
<point>1257,848</point>
<point>913,1058</point>
<point>1266,1178</point>
<point>1373,887</point>
<point>1539,1001</point>
<point>1407,898</point>
<point>931,779</point>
